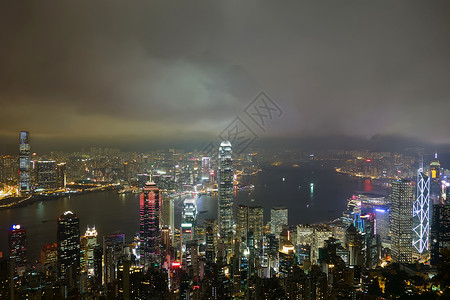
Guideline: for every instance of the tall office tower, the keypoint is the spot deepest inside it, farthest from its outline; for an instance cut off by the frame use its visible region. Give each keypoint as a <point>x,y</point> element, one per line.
<point>435,180</point>
<point>225,189</point>
<point>24,162</point>
<point>46,174</point>
<point>192,259</point>
<point>17,248</point>
<point>188,222</point>
<point>49,258</point>
<point>287,260</point>
<point>210,226</point>
<point>256,223</point>
<point>112,253</point>
<point>167,212</point>
<point>150,209</point>
<point>68,240</point>
<point>421,213</point>
<point>305,234</point>
<point>61,175</point>
<point>166,241</point>
<point>241,221</point>
<point>88,243</point>
<point>206,166</point>
<point>278,218</point>
<point>8,168</point>
<point>98,270</point>
<point>440,231</point>
<point>401,220</point>
<point>249,218</point>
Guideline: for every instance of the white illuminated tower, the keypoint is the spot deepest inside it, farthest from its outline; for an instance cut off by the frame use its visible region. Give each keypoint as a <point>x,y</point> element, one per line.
<point>225,189</point>
<point>421,213</point>
<point>24,162</point>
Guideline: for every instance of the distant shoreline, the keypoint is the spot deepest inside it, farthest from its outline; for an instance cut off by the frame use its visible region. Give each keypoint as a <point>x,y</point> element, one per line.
<point>21,201</point>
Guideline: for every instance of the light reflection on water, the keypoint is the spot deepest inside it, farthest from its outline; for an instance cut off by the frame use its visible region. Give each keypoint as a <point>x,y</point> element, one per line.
<point>111,212</point>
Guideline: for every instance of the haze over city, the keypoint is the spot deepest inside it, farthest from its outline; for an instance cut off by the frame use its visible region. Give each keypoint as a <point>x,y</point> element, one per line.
<point>110,73</point>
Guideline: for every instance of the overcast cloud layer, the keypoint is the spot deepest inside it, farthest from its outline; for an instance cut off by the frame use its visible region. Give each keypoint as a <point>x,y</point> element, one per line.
<point>121,70</point>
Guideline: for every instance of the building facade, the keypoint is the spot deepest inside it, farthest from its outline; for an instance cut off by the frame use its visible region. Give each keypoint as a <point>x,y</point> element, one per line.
<point>225,189</point>
<point>401,220</point>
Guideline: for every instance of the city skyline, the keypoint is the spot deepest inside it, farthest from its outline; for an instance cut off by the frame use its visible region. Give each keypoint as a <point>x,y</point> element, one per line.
<point>225,150</point>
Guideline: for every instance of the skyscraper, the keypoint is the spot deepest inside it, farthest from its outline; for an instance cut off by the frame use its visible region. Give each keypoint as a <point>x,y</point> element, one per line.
<point>61,175</point>
<point>46,174</point>
<point>17,247</point>
<point>112,253</point>
<point>206,165</point>
<point>150,209</point>
<point>210,226</point>
<point>188,220</point>
<point>225,189</point>
<point>167,212</point>
<point>68,240</point>
<point>421,213</point>
<point>440,232</point>
<point>88,243</point>
<point>278,218</point>
<point>401,220</point>
<point>24,162</point>
<point>435,183</point>
<point>249,219</point>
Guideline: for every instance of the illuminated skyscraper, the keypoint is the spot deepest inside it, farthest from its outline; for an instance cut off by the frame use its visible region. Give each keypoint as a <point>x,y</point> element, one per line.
<point>61,175</point>
<point>112,254</point>
<point>435,180</point>
<point>206,166</point>
<point>188,220</point>
<point>68,240</point>
<point>249,219</point>
<point>150,210</point>
<point>278,218</point>
<point>401,220</point>
<point>210,226</point>
<point>167,212</point>
<point>46,174</point>
<point>440,232</point>
<point>88,243</point>
<point>24,162</point>
<point>225,189</point>
<point>17,247</point>
<point>421,213</point>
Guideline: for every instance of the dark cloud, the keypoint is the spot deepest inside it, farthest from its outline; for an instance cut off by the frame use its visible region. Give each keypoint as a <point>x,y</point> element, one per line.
<point>144,70</point>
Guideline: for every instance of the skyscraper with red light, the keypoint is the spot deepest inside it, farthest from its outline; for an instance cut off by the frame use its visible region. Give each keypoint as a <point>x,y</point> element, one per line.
<point>150,211</point>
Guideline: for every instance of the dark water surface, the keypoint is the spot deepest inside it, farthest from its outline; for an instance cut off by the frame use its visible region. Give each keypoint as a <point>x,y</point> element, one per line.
<point>111,212</point>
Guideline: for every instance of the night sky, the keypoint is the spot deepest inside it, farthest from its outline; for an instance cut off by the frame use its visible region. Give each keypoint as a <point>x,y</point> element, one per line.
<point>145,73</point>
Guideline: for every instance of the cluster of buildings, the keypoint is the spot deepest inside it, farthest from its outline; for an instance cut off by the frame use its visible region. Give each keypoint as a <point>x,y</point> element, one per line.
<point>236,255</point>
